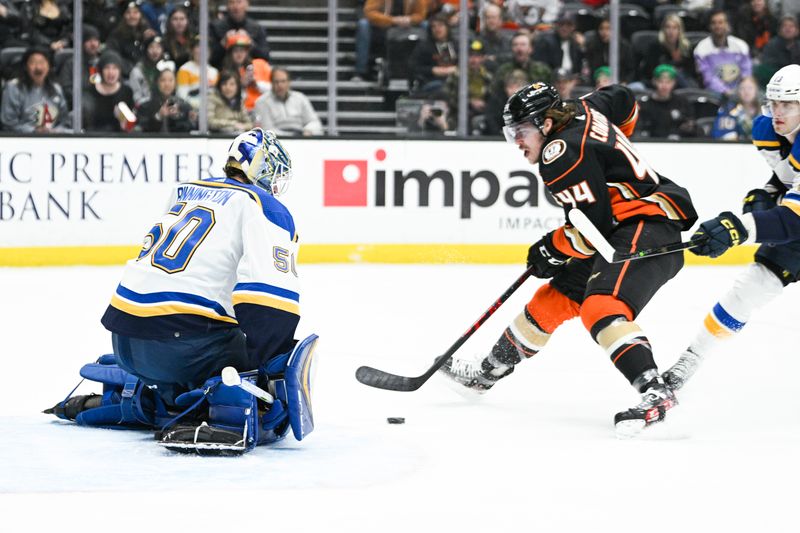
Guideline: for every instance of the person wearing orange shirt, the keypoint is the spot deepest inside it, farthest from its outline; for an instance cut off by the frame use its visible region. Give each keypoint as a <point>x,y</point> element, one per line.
<point>255,74</point>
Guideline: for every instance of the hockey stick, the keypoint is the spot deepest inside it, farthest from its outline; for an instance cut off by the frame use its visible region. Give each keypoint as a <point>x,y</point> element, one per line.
<point>379,379</point>
<point>609,253</point>
<point>231,378</point>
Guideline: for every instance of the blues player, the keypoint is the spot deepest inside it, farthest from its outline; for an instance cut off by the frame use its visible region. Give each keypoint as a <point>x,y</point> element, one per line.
<point>215,285</point>
<point>771,215</point>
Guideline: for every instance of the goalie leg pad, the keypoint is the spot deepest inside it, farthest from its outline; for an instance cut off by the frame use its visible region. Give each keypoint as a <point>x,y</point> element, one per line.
<point>126,401</point>
<point>295,388</point>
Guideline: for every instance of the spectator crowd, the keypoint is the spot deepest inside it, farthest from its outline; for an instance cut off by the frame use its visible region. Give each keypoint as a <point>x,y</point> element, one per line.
<point>698,67</point>
<point>141,69</point>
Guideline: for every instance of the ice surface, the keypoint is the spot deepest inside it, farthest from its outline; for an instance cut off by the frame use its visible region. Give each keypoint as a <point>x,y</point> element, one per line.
<point>537,453</point>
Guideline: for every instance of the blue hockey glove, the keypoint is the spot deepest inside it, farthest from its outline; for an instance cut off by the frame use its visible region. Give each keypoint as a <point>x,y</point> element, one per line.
<point>715,236</point>
<point>758,200</point>
<point>544,257</point>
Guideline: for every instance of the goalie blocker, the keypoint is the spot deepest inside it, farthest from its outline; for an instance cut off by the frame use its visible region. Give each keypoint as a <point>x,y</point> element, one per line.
<point>215,419</point>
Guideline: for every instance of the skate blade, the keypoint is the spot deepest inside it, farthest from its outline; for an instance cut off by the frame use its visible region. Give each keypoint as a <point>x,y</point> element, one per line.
<point>469,394</point>
<point>628,429</point>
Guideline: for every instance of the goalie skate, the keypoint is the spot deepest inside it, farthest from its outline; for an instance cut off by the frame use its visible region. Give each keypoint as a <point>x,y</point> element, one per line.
<point>472,375</point>
<point>684,368</point>
<point>657,399</point>
<point>203,440</point>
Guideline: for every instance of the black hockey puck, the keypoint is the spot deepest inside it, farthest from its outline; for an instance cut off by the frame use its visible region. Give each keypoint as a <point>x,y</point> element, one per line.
<point>396,420</point>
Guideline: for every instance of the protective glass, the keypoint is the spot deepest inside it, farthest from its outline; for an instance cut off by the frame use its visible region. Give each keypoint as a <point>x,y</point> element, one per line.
<point>520,130</point>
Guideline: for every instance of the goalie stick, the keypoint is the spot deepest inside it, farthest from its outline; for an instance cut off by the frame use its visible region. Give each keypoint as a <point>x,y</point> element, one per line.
<point>379,379</point>
<point>609,253</point>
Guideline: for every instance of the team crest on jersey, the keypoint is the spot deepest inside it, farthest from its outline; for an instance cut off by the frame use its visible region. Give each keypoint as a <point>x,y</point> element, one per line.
<point>553,151</point>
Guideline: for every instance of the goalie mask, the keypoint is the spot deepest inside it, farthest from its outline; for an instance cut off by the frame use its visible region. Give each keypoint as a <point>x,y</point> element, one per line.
<point>259,155</point>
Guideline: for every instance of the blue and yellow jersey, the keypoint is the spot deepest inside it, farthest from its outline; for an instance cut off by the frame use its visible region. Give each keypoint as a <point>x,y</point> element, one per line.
<point>223,255</point>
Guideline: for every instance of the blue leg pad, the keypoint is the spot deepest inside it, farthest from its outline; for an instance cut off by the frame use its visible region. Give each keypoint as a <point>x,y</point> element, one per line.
<point>126,401</point>
<point>297,380</point>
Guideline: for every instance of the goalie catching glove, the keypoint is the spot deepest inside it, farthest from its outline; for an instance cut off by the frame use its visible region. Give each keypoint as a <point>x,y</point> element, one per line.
<point>544,258</point>
<point>715,236</point>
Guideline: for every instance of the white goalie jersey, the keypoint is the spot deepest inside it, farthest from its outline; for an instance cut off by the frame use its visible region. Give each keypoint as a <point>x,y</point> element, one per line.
<point>223,255</point>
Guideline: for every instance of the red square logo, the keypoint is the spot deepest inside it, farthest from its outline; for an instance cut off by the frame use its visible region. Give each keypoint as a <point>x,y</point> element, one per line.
<point>345,183</point>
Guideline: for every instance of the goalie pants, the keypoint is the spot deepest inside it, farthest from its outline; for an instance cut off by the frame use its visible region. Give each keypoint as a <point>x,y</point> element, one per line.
<point>179,365</point>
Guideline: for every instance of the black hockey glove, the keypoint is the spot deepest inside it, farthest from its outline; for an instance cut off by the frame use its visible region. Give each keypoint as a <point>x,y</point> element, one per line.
<point>758,200</point>
<point>715,236</point>
<point>544,258</point>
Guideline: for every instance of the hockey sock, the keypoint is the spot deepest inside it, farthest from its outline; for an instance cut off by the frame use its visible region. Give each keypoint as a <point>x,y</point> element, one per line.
<point>754,288</point>
<point>627,347</point>
<point>522,339</point>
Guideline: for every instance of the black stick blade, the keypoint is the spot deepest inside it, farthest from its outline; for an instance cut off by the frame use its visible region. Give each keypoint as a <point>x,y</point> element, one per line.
<point>372,377</point>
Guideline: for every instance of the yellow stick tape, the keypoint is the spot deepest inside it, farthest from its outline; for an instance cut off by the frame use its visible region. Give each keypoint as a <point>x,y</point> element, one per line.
<point>332,253</point>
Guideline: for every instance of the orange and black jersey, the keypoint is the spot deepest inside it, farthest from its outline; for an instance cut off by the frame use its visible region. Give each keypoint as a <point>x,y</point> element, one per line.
<point>591,165</point>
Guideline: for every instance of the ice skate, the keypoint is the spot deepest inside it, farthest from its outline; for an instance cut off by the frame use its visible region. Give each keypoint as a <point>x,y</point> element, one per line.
<point>474,376</point>
<point>678,374</point>
<point>657,399</point>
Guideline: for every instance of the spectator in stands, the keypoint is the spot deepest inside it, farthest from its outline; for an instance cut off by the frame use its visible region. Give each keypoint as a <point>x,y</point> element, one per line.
<point>178,37</point>
<point>781,50</point>
<point>664,114</point>
<point>513,82</point>
<point>165,111</point>
<point>521,59</point>
<point>601,77</point>
<point>379,17</point>
<point>735,119</point>
<point>235,21</point>
<point>10,24</point>
<point>144,74</point>
<point>34,102</point>
<point>284,111</point>
<point>434,58</point>
<point>109,100</point>
<point>50,23</point>
<point>156,13</point>
<point>189,77</point>
<point>226,112</point>
<point>102,14</point>
<point>128,36</point>
<point>596,52</point>
<point>530,13</point>
<point>562,48</point>
<point>672,48</point>
<point>722,59</point>
<point>90,57</point>
<point>433,117</point>
<point>756,25</point>
<point>497,42</point>
<point>565,83</point>
<point>479,83</point>
<point>254,73</point>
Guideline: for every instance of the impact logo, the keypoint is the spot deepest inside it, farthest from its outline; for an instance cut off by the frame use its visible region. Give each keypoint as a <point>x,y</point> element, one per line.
<point>346,181</point>
<point>350,183</point>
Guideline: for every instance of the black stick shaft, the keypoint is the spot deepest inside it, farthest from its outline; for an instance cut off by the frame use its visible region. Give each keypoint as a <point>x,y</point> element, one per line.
<point>650,252</point>
<point>384,380</point>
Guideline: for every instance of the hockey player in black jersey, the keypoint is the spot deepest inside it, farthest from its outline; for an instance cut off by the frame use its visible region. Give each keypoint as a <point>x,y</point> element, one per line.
<point>587,162</point>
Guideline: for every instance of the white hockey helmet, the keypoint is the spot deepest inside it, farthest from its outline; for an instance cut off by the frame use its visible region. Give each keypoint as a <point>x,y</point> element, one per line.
<point>784,86</point>
<point>259,155</point>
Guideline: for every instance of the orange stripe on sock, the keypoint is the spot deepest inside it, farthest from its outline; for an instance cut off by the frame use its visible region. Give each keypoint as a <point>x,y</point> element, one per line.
<point>522,349</point>
<point>714,327</point>
<point>626,349</point>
